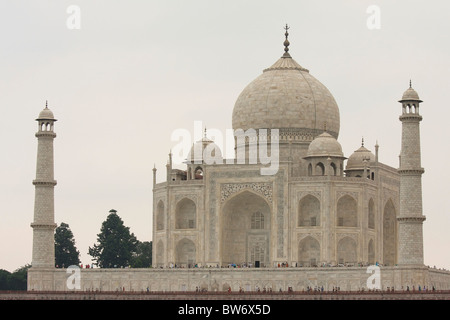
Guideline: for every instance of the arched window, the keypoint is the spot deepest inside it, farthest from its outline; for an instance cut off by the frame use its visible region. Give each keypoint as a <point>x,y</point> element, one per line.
<point>320,169</point>
<point>160,216</point>
<point>257,220</point>
<point>308,252</point>
<point>160,254</point>
<point>309,211</point>
<point>185,214</point>
<point>333,169</point>
<point>347,211</point>
<point>198,174</point>
<point>310,169</point>
<point>185,253</point>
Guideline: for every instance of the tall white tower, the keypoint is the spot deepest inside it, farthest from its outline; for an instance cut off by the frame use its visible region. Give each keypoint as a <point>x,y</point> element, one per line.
<point>410,220</point>
<point>44,212</point>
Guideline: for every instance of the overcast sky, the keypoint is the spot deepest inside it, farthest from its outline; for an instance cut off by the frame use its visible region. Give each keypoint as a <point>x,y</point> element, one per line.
<point>137,70</point>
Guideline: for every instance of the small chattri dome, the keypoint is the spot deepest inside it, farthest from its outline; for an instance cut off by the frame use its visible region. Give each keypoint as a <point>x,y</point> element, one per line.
<point>46,114</point>
<point>410,94</point>
<point>325,145</point>
<point>197,152</point>
<point>356,160</point>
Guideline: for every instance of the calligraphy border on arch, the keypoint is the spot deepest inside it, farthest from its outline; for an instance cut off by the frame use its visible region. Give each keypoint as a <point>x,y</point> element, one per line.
<point>317,194</point>
<point>316,235</point>
<point>263,188</point>
<point>354,194</point>
<point>340,236</point>
<point>190,196</point>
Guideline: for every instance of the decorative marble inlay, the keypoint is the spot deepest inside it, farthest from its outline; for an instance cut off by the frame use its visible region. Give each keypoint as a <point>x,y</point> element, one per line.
<point>263,188</point>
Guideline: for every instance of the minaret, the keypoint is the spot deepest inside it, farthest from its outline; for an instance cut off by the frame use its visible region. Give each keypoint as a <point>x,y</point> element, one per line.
<point>44,213</point>
<point>410,219</point>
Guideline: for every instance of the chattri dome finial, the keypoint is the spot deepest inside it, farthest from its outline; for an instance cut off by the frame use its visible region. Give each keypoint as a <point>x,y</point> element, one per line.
<point>286,42</point>
<point>410,94</point>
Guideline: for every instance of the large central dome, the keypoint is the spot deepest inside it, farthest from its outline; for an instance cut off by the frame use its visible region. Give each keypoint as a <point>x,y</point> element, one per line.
<point>286,97</point>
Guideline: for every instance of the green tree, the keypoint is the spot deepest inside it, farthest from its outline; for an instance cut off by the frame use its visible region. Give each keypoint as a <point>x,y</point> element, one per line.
<point>66,254</point>
<point>143,256</point>
<point>4,275</point>
<point>116,245</point>
<point>14,281</point>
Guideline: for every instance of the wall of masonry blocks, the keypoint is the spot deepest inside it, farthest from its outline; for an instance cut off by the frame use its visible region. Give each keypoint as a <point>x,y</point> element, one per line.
<point>410,243</point>
<point>249,279</point>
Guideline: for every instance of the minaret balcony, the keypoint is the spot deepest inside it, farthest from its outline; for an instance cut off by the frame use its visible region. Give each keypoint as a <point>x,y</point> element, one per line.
<point>40,182</point>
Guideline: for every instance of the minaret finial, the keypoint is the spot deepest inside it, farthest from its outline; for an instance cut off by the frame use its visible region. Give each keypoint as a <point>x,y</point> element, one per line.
<point>325,126</point>
<point>286,42</point>
<point>362,142</point>
<point>205,133</point>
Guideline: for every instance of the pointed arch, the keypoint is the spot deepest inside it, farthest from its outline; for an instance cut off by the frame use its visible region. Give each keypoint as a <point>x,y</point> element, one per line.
<point>160,253</point>
<point>308,252</point>
<point>198,173</point>
<point>245,229</point>
<point>333,169</point>
<point>309,211</point>
<point>347,212</point>
<point>185,253</point>
<point>346,250</point>
<point>160,215</point>
<point>185,214</point>
<point>320,169</point>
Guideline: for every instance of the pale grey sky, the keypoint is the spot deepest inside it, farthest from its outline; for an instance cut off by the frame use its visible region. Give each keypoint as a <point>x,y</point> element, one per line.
<point>137,70</point>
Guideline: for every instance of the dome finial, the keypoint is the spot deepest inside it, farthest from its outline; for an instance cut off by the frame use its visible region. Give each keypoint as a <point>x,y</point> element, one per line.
<point>325,126</point>
<point>362,142</point>
<point>46,104</point>
<point>410,86</point>
<point>286,42</point>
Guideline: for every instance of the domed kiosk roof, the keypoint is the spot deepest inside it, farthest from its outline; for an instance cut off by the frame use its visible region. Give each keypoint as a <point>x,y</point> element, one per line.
<point>356,160</point>
<point>46,114</point>
<point>325,145</point>
<point>286,96</point>
<point>197,151</point>
<point>410,94</point>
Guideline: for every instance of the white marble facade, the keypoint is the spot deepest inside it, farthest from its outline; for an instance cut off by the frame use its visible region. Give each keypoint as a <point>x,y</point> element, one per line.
<point>313,211</point>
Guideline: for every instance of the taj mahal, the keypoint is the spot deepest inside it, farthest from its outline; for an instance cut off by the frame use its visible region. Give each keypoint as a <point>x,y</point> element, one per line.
<point>319,220</point>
